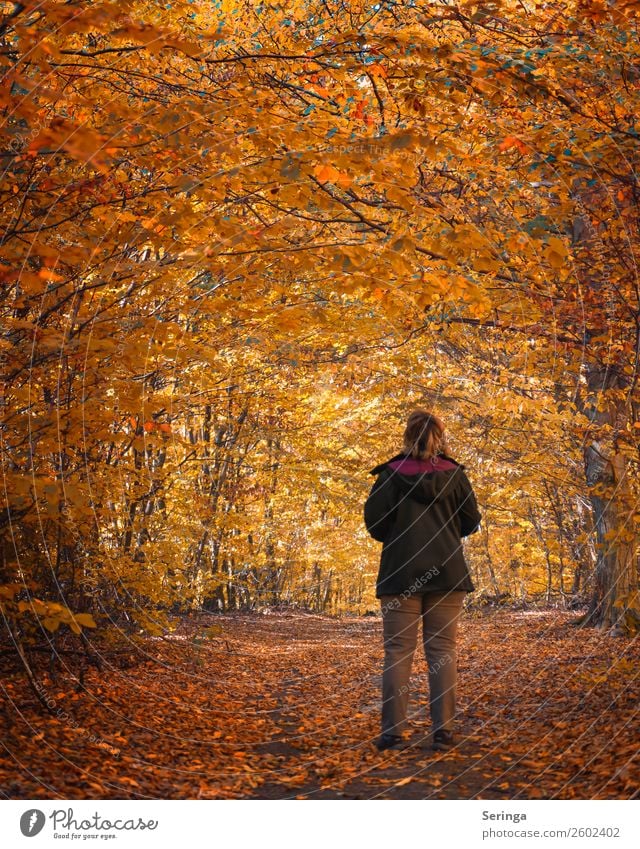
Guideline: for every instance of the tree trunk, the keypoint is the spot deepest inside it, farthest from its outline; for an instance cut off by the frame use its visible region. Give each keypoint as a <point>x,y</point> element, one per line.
<point>616,574</point>
<point>607,406</point>
<point>616,569</point>
<point>484,529</point>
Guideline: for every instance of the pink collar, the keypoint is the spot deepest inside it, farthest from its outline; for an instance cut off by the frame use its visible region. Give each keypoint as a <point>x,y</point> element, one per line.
<point>411,466</point>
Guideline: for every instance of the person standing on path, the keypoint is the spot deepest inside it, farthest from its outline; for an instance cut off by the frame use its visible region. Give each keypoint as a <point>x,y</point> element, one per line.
<point>420,507</point>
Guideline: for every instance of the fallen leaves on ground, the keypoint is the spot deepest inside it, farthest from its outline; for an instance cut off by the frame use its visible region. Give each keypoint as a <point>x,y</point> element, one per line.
<point>287,706</point>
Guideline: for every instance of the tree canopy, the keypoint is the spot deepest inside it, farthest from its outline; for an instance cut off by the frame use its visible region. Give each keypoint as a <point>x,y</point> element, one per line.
<point>242,239</point>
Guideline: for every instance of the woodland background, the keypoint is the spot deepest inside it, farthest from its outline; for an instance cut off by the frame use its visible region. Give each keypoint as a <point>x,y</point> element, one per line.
<point>241,240</point>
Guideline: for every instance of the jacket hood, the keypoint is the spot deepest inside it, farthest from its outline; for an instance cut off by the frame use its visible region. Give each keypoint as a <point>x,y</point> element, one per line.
<point>425,481</point>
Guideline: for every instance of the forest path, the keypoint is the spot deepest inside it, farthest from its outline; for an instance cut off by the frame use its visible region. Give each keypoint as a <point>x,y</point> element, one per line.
<point>286,705</point>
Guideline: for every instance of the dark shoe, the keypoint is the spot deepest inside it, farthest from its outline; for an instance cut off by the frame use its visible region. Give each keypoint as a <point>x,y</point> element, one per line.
<point>442,740</point>
<point>389,741</point>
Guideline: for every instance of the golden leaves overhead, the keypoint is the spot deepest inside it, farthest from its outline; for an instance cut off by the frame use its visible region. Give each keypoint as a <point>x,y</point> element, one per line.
<point>218,218</point>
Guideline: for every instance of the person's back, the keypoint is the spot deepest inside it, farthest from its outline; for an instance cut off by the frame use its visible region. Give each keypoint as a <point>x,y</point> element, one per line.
<point>420,510</point>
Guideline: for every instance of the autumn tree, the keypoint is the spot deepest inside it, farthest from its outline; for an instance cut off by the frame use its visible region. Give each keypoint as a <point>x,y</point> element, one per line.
<point>236,240</point>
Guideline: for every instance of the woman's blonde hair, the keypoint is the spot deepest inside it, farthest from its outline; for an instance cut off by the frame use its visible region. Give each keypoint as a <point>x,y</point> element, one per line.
<point>424,436</point>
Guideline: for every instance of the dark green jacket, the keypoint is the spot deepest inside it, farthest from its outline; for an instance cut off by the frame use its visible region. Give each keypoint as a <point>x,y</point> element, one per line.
<point>420,511</point>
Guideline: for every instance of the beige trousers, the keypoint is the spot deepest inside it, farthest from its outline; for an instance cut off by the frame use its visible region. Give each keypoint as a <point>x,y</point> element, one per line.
<point>401,615</point>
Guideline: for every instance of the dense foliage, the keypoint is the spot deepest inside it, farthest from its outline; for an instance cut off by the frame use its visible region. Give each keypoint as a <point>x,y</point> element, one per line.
<point>241,240</point>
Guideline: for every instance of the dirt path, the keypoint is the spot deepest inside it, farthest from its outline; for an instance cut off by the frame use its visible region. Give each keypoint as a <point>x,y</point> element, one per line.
<point>287,706</point>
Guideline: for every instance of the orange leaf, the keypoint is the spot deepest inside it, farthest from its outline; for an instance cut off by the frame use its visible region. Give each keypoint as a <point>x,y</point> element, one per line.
<point>50,275</point>
<point>513,141</point>
<point>327,173</point>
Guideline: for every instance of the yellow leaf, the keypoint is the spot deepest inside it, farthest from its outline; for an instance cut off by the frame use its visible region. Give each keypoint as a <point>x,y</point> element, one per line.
<point>556,252</point>
<point>86,620</point>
